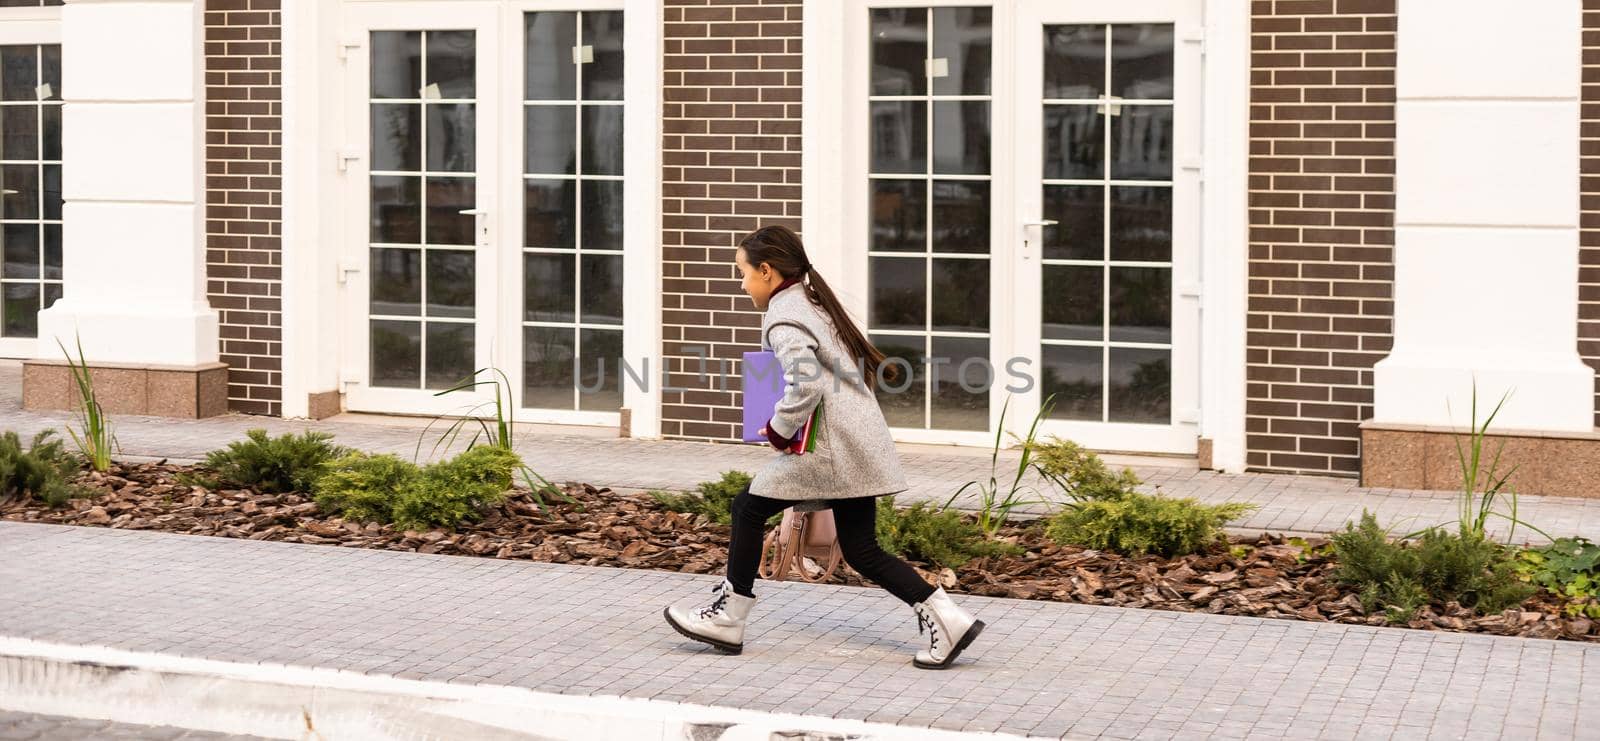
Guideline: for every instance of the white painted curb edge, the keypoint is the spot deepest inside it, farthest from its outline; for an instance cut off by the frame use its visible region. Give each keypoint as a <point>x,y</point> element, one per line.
<point>276,700</point>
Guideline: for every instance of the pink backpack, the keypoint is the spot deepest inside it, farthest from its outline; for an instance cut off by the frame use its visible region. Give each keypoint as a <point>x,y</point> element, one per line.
<point>802,536</point>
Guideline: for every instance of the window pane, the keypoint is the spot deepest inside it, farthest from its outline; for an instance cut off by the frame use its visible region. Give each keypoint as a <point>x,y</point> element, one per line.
<point>550,137</point>
<point>1075,376</point>
<point>547,354</point>
<point>452,283</point>
<point>899,48</point>
<point>602,215</point>
<point>961,295</point>
<point>21,249</point>
<point>1141,305</point>
<point>549,288</point>
<point>1074,142</point>
<point>52,192</point>
<point>1141,385</point>
<point>962,377</point>
<point>447,198</point>
<point>1141,143</point>
<point>396,209</point>
<point>900,137</point>
<point>602,140</point>
<point>549,207</point>
<point>899,293</point>
<point>397,64</point>
<point>396,137</point>
<point>960,216</point>
<point>1141,224</point>
<point>21,309</point>
<point>50,60</point>
<point>19,132</point>
<point>1071,302</point>
<point>1074,61</point>
<point>961,137</point>
<point>901,397</point>
<point>599,370</point>
<point>602,289</point>
<point>962,37</point>
<point>52,251</point>
<point>19,186</point>
<point>1078,211</point>
<point>602,78</point>
<point>52,132</point>
<point>899,215</point>
<point>452,137</point>
<point>452,63</point>
<point>396,288</point>
<point>1141,61</point>
<point>549,73</point>
<point>396,354</point>
<point>450,354</point>
<point>19,72</point>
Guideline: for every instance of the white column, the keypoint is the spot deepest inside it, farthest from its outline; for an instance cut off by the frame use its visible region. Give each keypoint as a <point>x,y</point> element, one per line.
<point>1486,216</point>
<point>134,186</point>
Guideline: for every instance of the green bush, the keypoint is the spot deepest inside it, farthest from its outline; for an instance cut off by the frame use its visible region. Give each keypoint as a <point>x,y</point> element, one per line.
<point>1569,567</point>
<point>384,488</point>
<point>42,471</point>
<point>1440,567</point>
<point>1133,523</point>
<point>274,464</point>
<point>1078,472</point>
<point>945,537</point>
<point>714,499</point>
<point>362,486</point>
<point>450,492</point>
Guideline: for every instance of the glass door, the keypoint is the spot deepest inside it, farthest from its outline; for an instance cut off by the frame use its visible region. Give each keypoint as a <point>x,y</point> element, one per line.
<point>1108,193</point>
<point>420,169</point>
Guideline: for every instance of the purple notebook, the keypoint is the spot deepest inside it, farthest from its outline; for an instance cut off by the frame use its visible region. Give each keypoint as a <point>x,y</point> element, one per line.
<point>763,387</point>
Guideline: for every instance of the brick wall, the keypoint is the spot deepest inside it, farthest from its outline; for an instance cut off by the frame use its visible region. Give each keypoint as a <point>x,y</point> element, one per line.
<point>1321,228</point>
<point>243,203</point>
<point>1589,204</point>
<point>730,163</point>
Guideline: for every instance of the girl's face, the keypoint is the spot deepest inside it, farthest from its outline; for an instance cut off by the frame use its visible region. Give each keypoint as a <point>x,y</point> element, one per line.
<point>758,282</point>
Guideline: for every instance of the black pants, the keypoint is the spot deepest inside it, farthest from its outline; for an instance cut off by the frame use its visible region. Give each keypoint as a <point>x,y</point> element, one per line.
<point>856,521</point>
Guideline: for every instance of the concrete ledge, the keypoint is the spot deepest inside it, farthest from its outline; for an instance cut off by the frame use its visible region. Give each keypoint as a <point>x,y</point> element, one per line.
<point>186,392</point>
<point>295,702</point>
<point>1422,457</point>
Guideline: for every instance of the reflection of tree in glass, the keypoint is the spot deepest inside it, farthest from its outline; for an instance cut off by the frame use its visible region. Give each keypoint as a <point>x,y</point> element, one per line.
<point>1147,394</point>
<point>1076,399</point>
<point>394,355</point>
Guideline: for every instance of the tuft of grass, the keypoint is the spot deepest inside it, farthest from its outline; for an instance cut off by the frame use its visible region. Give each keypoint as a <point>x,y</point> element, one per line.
<point>93,437</point>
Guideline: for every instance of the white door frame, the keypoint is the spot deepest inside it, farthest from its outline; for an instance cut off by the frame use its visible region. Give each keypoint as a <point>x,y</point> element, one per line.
<point>361,19</point>
<point>314,233</point>
<point>27,26</point>
<point>834,69</point>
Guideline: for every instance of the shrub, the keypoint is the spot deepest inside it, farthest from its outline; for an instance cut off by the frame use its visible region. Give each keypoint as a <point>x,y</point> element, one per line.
<point>945,537</point>
<point>1078,472</point>
<point>274,464</point>
<point>384,488</point>
<point>1440,567</point>
<point>450,492</point>
<point>714,499</point>
<point>42,471</point>
<point>361,486</point>
<point>1135,524</point>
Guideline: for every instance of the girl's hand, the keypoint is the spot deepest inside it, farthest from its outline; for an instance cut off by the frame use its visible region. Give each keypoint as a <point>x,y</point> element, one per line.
<point>785,451</point>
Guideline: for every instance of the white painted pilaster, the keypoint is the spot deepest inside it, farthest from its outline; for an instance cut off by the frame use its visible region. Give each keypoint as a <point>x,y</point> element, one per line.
<point>134,186</point>
<point>1486,216</point>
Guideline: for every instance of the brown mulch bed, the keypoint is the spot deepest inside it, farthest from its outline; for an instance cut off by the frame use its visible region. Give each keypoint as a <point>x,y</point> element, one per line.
<point>1268,576</point>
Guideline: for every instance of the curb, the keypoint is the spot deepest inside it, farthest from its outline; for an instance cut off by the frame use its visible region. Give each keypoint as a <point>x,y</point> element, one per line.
<point>295,702</point>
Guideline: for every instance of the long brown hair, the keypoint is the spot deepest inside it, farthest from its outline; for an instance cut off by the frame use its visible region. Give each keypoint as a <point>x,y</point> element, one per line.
<point>781,248</point>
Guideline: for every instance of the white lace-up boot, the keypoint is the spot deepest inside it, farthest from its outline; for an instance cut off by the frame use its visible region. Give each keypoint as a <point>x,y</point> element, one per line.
<point>950,630</point>
<point>720,624</point>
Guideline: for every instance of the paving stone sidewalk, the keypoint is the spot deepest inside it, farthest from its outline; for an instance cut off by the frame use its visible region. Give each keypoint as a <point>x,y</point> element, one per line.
<point>1042,668</point>
<point>1305,504</point>
<point>35,727</point>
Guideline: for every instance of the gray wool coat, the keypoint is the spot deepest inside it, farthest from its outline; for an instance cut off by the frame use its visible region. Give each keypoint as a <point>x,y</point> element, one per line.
<point>854,456</point>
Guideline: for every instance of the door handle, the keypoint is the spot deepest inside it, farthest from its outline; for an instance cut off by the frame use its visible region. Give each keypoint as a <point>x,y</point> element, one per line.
<point>1041,222</point>
<point>473,211</point>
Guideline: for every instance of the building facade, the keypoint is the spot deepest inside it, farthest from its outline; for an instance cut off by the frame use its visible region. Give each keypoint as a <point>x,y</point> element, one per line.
<point>1277,235</point>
